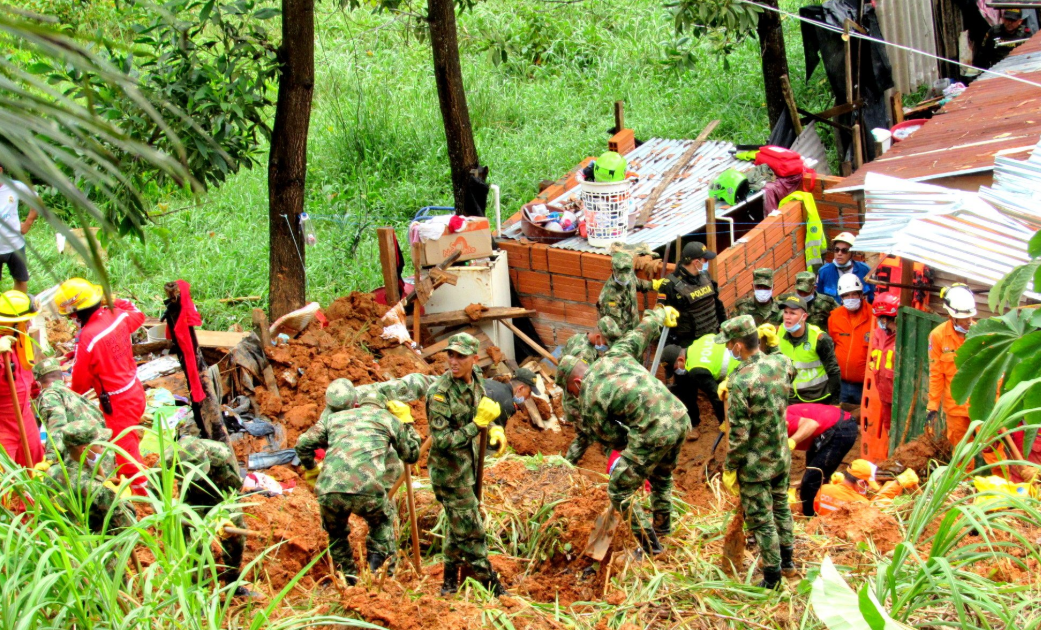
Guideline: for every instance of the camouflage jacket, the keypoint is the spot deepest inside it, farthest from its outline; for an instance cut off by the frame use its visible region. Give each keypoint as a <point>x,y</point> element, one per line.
<point>622,403</point>
<point>619,302</point>
<point>82,491</point>
<point>405,389</point>
<point>578,346</point>
<point>213,459</point>
<point>356,443</point>
<point>759,389</point>
<point>768,313</point>
<point>451,406</point>
<point>820,308</point>
<point>57,406</point>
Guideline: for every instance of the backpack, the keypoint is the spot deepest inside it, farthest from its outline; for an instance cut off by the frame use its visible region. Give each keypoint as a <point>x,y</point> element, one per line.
<point>783,162</point>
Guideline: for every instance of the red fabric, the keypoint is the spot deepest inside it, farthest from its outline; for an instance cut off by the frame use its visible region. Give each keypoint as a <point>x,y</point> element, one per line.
<point>189,317</point>
<point>783,162</point>
<point>881,361</point>
<point>127,409</point>
<point>611,460</point>
<point>10,438</point>
<point>455,224</point>
<point>1034,456</point>
<point>826,416</point>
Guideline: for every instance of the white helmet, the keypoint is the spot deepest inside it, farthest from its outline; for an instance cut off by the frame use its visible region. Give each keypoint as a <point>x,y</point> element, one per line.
<point>959,301</point>
<point>845,237</point>
<point>848,283</point>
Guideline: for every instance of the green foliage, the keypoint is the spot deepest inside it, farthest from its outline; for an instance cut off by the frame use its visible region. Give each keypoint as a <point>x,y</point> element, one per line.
<point>725,22</point>
<point>1009,290</point>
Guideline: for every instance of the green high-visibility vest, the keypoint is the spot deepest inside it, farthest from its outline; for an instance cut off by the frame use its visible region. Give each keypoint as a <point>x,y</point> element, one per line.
<point>816,240</point>
<point>809,367</point>
<point>705,353</point>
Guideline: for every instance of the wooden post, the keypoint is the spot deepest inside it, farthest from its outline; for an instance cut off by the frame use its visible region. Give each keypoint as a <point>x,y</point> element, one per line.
<point>858,148</point>
<point>677,256</point>
<point>262,327</point>
<point>710,230</point>
<point>789,99</point>
<point>858,156</point>
<point>896,103</point>
<point>619,116</point>
<point>410,500</point>
<point>531,342</point>
<point>907,280</point>
<point>389,263</point>
<point>416,310</point>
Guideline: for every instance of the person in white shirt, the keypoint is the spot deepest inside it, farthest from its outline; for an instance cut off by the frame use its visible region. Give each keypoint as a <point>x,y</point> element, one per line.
<point>12,232</point>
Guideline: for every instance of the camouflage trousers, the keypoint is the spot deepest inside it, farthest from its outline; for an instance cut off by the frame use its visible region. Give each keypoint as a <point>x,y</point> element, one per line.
<point>337,507</point>
<point>654,461</point>
<point>233,546</point>
<point>768,516</point>
<point>465,543</point>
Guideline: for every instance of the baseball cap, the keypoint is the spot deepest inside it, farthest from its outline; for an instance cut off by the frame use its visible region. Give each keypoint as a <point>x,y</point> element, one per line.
<point>695,249</point>
<point>736,328</point>
<point>793,301</point>
<point>565,367</point>
<point>608,327</point>
<point>45,367</point>
<point>805,281</point>
<point>463,343</point>
<point>621,261</point>
<point>669,356</point>
<point>1012,14</point>
<point>526,376</point>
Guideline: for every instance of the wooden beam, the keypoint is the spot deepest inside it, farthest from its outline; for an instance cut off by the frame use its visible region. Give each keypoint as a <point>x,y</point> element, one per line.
<point>839,110</point>
<point>619,116</point>
<point>789,100</point>
<point>219,338</point>
<point>671,174</point>
<point>710,229</point>
<point>825,121</point>
<point>141,349</point>
<point>261,327</point>
<point>236,300</point>
<point>417,320</point>
<point>531,342</point>
<point>461,318</point>
<point>389,263</point>
<point>858,148</point>
<point>434,348</point>
<point>906,281</point>
<point>896,103</point>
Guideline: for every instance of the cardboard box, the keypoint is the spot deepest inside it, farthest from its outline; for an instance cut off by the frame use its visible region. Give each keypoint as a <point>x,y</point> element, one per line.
<point>475,241</point>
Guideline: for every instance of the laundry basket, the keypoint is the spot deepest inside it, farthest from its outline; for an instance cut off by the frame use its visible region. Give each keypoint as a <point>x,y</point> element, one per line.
<point>606,207</point>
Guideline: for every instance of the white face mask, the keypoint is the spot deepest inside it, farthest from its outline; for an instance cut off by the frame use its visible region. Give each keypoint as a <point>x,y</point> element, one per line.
<point>620,281</point>
<point>851,304</point>
<point>960,329</point>
<point>763,295</point>
<point>92,459</point>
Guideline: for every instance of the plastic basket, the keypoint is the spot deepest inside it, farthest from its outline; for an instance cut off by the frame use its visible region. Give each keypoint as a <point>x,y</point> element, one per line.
<point>606,207</point>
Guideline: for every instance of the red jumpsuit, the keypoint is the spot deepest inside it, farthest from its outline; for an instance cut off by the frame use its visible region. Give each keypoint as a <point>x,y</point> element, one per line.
<point>105,362</point>
<point>9,435</point>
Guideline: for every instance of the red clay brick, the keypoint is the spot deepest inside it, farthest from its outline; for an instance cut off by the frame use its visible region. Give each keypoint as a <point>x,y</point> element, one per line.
<point>800,237</point>
<point>596,266</point>
<point>538,257</point>
<point>782,254</point>
<point>527,301</point>
<point>513,278</point>
<point>829,181</point>
<point>744,278</point>
<point>516,254</point>
<point>545,332</point>
<point>828,212</point>
<point>563,261</point>
<point>580,314</point>
<point>568,288</point>
<point>728,295</point>
<point>564,333</point>
<point>841,198</point>
<point>593,289</point>
<point>551,192</point>
<point>549,309</point>
<point>533,283</point>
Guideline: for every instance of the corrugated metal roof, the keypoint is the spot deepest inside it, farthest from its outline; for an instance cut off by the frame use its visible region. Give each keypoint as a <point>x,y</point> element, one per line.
<point>995,117</point>
<point>909,23</point>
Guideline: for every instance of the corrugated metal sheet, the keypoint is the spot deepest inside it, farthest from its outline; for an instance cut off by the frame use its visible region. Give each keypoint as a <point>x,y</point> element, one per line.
<point>909,23</point>
<point>991,118</point>
<point>810,147</point>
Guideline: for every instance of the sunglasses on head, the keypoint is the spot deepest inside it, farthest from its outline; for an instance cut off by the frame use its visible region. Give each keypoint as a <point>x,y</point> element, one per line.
<point>841,250</point>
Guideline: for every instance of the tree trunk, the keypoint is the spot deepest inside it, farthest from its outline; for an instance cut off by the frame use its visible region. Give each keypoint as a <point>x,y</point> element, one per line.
<point>287,162</point>
<point>774,60</point>
<point>448,74</point>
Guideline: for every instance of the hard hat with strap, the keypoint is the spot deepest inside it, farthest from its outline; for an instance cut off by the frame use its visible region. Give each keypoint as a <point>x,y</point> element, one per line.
<point>76,294</point>
<point>15,306</point>
<point>849,283</point>
<point>810,369</point>
<point>959,301</point>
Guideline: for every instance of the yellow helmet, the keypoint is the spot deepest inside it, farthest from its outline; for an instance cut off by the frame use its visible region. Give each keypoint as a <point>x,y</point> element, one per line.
<point>76,294</point>
<point>15,306</point>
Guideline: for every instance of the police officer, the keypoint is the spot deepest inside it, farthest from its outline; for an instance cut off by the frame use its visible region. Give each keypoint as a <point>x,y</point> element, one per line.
<point>758,460</point>
<point>698,368</point>
<point>760,304</point>
<point>820,305</point>
<point>692,292</point>
<point>618,297</point>
<point>812,352</point>
<point>1002,38</point>
<point>457,410</point>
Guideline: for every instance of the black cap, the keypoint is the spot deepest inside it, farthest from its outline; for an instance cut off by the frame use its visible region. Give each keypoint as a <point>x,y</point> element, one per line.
<point>693,250</point>
<point>526,376</point>
<point>1012,14</point>
<point>669,356</point>
<point>794,301</point>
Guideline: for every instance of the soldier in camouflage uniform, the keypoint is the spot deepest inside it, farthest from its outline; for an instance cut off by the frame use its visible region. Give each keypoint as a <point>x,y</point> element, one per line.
<point>209,474</point>
<point>58,405</point>
<point>457,410</point>
<point>758,456</point>
<point>631,411</point>
<point>820,304</point>
<point>352,479</point>
<point>618,297</point>
<point>761,304</point>
<point>104,510</point>
<point>405,389</point>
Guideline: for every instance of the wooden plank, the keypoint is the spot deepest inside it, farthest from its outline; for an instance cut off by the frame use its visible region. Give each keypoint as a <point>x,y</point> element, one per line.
<point>441,276</point>
<point>672,173</point>
<point>141,349</point>
<point>789,100</point>
<point>896,102</point>
<point>261,327</point>
<point>236,300</point>
<point>619,116</point>
<point>434,348</point>
<point>219,338</point>
<point>531,342</point>
<point>389,263</point>
<point>460,318</point>
<point>416,336</point>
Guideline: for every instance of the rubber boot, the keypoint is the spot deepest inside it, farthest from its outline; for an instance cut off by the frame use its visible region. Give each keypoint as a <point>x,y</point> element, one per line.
<point>376,560</point>
<point>662,523</point>
<point>495,586</point>
<point>771,578</point>
<point>787,564</point>
<point>451,583</point>
<point>649,541</point>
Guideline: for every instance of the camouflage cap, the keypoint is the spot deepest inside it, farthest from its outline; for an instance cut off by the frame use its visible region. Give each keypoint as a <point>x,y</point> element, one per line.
<point>565,368</point>
<point>45,367</point>
<point>805,281</point>
<point>341,394</point>
<point>622,261</point>
<point>793,301</point>
<point>763,277</point>
<point>736,328</point>
<point>372,397</point>
<point>608,327</point>
<point>83,432</point>
<point>463,343</point>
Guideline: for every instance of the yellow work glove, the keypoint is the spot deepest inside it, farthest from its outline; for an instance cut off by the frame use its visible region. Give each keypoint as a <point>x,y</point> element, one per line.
<point>768,333</point>
<point>791,444</point>
<point>725,427</point>
<point>222,532</point>
<point>730,482</point>
<point>401,411</point>
<point>672,317</point>
<point>114,487</point>
<point>487,410</point>
<point>657,283</point>
<point>311,476</point>
<point>907,479</point>
<point>724,389</point>
<point>497,440</point>
<point>836,478</point>
<point>792,498</point>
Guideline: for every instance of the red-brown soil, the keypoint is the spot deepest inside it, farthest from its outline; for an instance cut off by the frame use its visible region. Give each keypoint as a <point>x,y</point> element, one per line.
<point>859,522</point>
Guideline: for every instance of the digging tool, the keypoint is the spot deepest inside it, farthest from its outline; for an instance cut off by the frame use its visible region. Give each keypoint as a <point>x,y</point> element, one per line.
<point>401,479</point>
<point>603,534</point>
<point>734,544</point>
<point>662,342</point>
<point>413,523</point>
<point>481,450</point>
<point>712,454</point>
<point>233,531</point>
<point>17,410</point>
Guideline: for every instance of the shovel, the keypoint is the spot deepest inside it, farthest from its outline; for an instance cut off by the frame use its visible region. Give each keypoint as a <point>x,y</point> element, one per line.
<point>734,544</point>
<point>603,534</point>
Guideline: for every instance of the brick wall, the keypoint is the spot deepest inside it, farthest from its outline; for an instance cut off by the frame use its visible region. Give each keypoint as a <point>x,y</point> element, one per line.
<point>563,285</point>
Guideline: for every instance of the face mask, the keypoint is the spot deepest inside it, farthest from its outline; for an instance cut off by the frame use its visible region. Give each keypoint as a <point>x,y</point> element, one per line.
<point>882,325</point>
<point>851,304</point>
<point>763,295</point>
<point>793,328</point>
<point>518,400</point>
<point>680,371</point>
<point>602,348</point>
<point>960,329</point>
<point>808,298</point>
<point>704,267</point>
<point>849,263</point>
<point>620,281</point>
<point>92,459</point>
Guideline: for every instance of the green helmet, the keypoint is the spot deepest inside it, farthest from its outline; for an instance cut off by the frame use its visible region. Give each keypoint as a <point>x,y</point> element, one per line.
<point>341,395</point>
<point>730,186</point>
<point>609,167</point>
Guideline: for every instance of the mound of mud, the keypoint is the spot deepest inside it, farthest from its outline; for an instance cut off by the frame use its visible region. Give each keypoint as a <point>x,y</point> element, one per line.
<point>859,522</point>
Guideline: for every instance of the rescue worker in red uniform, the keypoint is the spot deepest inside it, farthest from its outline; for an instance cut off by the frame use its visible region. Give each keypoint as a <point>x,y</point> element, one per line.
<point>15,311</point>
<point>105,362</point>
<point>881,353</point>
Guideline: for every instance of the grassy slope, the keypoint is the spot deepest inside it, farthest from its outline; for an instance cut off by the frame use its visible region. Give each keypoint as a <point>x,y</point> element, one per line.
<point>377,149</point>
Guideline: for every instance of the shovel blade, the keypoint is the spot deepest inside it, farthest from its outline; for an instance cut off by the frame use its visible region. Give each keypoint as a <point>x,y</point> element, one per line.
<point>602,535</point>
